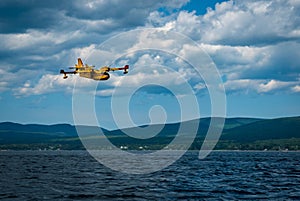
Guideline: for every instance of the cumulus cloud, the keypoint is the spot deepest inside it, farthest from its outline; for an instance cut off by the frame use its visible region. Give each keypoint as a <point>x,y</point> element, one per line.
<point>247,86</point>
<point>240,23</point>
<point>49,83</point>
<point>10,80</point>
<point>279,61</point>
<point>253,43</point>
<point>273,85</point>
<point>296,88</point>
<point>248,40</point>
<point>250,23</point>
<point>46,36</point>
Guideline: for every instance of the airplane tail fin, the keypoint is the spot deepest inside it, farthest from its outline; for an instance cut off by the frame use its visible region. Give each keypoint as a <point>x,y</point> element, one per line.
<point>126,67</point>
<point>65,74</point>
<point>79,63</point>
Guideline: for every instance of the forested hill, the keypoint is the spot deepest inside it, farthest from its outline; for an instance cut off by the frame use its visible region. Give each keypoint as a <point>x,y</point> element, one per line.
<point>238,133</point>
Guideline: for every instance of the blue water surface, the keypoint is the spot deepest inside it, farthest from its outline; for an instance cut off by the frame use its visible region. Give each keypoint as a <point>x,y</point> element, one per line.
<point>75,175</point>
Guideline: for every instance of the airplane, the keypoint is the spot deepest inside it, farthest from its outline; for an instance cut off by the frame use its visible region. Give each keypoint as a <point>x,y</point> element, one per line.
<point>87,71</point>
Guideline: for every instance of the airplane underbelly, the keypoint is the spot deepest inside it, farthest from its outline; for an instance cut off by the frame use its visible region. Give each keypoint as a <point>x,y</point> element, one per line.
<point>101,76</point>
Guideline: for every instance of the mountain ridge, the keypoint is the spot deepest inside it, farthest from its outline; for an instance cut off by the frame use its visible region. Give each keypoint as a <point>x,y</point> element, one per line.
<point>237,132</point>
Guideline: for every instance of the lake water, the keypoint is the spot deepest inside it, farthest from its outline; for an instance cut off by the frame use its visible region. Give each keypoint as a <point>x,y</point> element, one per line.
<point>75,175</point>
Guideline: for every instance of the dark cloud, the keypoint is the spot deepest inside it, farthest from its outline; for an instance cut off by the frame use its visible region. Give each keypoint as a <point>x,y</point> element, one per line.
<point>18,16</point>
<point>281,63</point>
<point>119,9</point>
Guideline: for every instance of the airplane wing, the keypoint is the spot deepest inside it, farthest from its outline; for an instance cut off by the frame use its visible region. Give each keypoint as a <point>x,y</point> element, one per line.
<point>125,68</point>
<point>104,69</point>
<point>65,73</point>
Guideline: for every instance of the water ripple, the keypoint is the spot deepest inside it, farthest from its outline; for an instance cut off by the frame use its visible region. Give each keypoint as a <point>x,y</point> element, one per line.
<point>74,175</point>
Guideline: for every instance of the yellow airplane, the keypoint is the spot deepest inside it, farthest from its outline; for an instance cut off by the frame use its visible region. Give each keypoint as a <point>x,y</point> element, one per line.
<point>91,73</point>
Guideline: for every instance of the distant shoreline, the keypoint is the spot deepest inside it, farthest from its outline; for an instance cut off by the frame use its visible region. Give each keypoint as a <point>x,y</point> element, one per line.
<point>281,134</point>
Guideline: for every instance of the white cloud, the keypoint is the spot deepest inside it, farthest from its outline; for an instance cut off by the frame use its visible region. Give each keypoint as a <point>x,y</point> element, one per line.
<point>246,86</point>
<point>232,55</point>
<point>36,39</point>
<point>278,61</point>
<point>252,42</point>
<point>273,85</point>
<point>189,24</point>
<point>9,80</point>
<point>239,85</point>
<point>152,39</point>
<point>49,83</point>
<point>241,23</point>
<point>296,88</point>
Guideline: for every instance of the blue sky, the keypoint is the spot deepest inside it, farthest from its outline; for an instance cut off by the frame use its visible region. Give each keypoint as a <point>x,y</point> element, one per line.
<point>254,45</point>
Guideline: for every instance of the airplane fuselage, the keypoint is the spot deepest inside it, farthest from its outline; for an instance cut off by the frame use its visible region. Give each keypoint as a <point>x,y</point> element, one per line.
<point>93,74</point>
